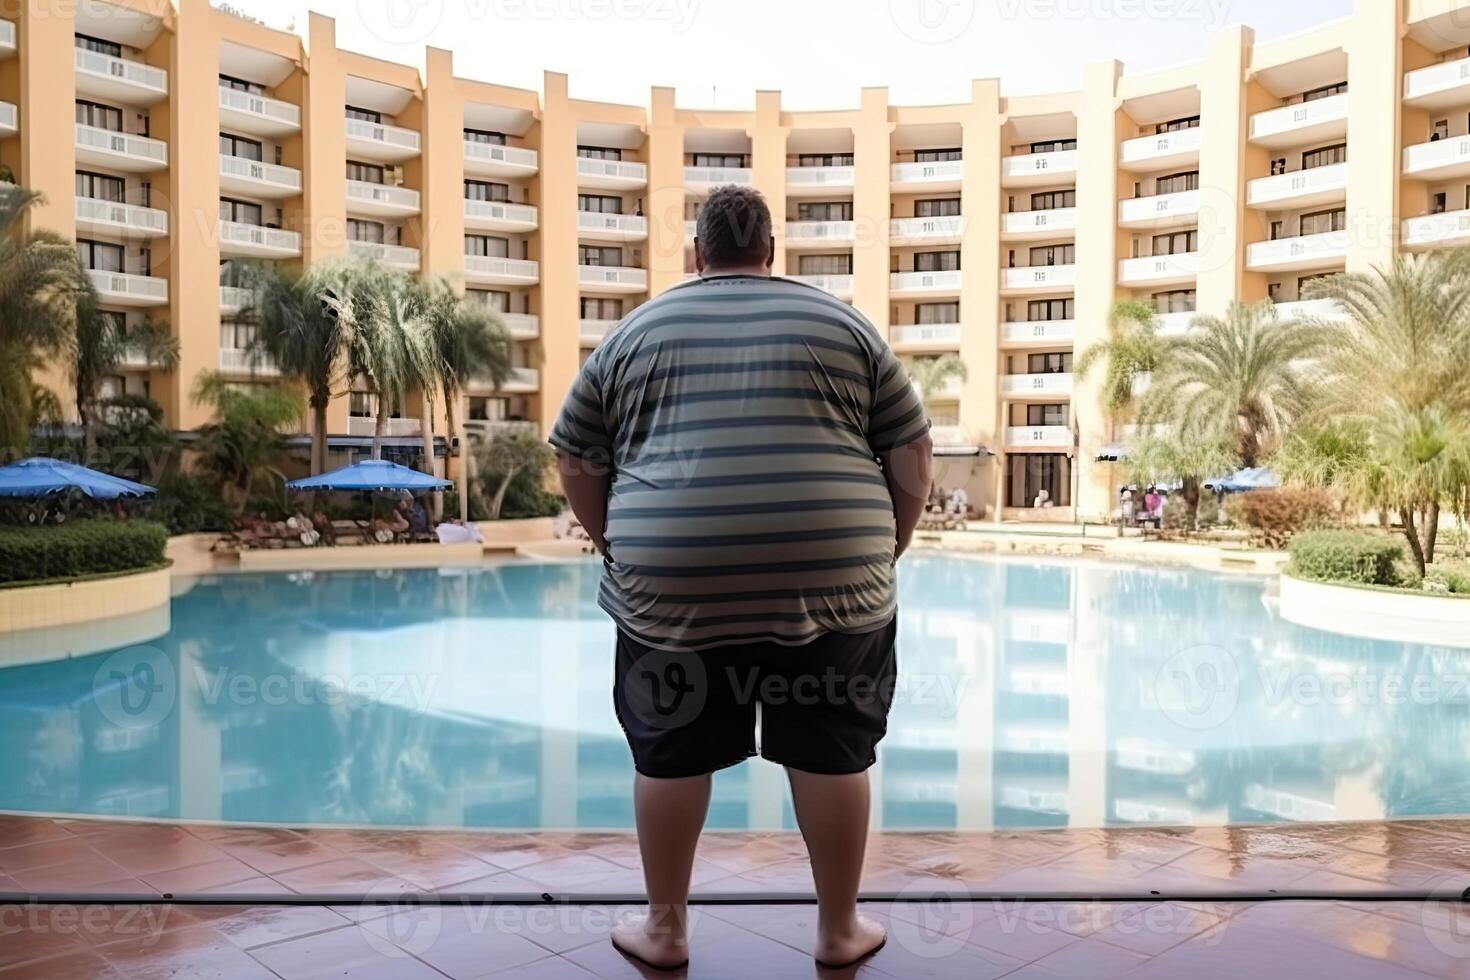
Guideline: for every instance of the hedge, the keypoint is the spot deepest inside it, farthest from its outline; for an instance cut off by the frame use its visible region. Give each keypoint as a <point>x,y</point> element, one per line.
<point>79,548</point>
<point>1345,556</point>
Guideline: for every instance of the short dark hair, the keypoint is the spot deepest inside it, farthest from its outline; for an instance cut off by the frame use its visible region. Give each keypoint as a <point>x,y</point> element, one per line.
<point>734,227</point>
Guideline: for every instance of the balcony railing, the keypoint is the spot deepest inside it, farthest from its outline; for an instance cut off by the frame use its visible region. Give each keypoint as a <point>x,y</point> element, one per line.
<point>1320,185</point>
<point>272,114</point>
<point>491,428</point>
<point>1439,86</point>
<point>501,214</point>
<point>522,379</point>
<point>819,178</point>
<point>1310,309</point>
<point>614,172</point>
<point>1161,209</point>
<point>1303,122</point>
<point>260,237</point>
<point>397,256</point>
<point>1036,384</point>
<point>612,276</point>
<point>502,269</point>
<point>945,281</point>
<point>1302,252</point>
<point>619,225</point>
<point>268,175</point>
<point>400,428</point>
<point>1039,333</point>
<point>1038,168</point>
<point>926,334</point>
<point>705,177</point>
<point>145,80</point>
<point>1161,150</point>
<point>838,285</point>
<point>393,137</point>
<point>130,287</point>
<point>933,172</point>
<point>522,326</point>
<point>233,299</point>
<point>819,233</point>
<point>945,228</point>
<point>1176,323</point>
<point>385,196</point>
<point>124,146</point>
<point>1159,269</point>
<point>233,360</point>
<point>124,217</point>
<point>495,158</point>
<point>1450,228</point>
<point>592,332</point>
<point>7,35</point>
<point>9,118</point>
<point>1041,223</point>
<point>1439,159</point>
<point>1039,436</point>
<point>1039,277</point>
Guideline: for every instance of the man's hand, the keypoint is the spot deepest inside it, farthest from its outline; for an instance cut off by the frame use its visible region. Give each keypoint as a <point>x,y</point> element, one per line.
<point>909,470</point>
<point>585,484</point>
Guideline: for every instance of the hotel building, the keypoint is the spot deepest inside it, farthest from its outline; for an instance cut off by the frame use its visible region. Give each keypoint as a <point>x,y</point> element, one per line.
<point>173,140</point>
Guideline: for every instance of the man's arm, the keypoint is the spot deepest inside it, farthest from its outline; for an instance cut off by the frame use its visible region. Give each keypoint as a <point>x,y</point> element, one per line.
<point>909,470</point>
<point>586,485</point>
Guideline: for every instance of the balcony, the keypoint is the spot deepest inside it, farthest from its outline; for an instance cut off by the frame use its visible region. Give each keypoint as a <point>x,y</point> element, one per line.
<point>1297,125</point>
<point>1443,86</point>
<point>819,234</point>
<point>494,160</point>
<point>1299,189</point>
<point>1159,270</point>
<point>1311,309</point>
<point>702,180</point>
<point>381,200</point>
<point>917,177</point>
<point>119,151</point>
<point>393,256</point>
<point>522,380</point>
<point>1033,226</point>
<point>1302,252</point>
<point>234,299</point>
<point>379,142</point>
<point>1164,151</point>
<point>1038,279</point>
<point>237,175</point>
<point>691,230</point>
<point>499,216</point>
<point>1038,333</point>
<point>1175,324</point>
<point>925,336</point>
<point>1038,437</point>
<point>113,80</point>
<point>522,326</point>
<point>1162,211</point>
<point>1042,386</point>
<point>237,239</point>
<point>612,279</point>
<point>235,361</point>
<point>611,175</point>
<point>9,119</point>
<point>111,218</point>
<point>593,332</point>
<point>817,181</point>
<point>1037,169</point>
<point>257,115</point>
<point>496,271</point>
<point>7,38</point>
<point>129,289</point>
<point>604,227</point>
<point>395,428</point>
<point>944,230</point>
<point>1440,160</point>
<point>942,283</point>
<point>486,429</point>
<point>839,286</point>
<point>1437,230</point>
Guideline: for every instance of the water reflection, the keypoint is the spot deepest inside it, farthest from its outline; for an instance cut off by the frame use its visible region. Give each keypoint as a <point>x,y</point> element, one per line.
<point>1031,695</point>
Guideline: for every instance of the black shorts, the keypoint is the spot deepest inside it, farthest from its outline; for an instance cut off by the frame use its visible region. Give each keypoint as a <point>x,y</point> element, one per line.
<point>823,705</point>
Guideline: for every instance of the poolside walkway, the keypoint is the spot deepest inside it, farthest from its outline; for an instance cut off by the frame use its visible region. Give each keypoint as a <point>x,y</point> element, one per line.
<point>1225,931</point>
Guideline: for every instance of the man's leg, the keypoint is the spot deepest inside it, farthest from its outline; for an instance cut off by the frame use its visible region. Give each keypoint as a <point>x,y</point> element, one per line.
<point>832,812</point>
<point>670,814</point>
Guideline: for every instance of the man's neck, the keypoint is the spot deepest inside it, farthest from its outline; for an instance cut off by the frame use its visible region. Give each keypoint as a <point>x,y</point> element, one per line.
<point>759,271</point>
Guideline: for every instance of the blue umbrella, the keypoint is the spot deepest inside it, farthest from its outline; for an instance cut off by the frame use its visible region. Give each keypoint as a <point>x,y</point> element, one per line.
<point>40,476</point>
<point>371,474</point>
<point>1250,478</point>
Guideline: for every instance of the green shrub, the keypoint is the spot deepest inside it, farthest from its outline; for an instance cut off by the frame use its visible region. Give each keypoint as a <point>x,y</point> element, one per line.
<point>187,504</point>
<point>1454,576</point>
<point>1275,515</point>
<point>1345,556</point>
<point>79,548</point>
<point>1209,510</point>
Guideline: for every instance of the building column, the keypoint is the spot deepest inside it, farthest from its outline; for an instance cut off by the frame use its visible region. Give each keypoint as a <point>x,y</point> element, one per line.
<point>557,239</point>
<point>1226,162</point>
<point>439,170</point>
<point>665,197</point>
<point>872,167</point>
<point>768,166</point>
<point>1375,90</point>
<point>980,199</point>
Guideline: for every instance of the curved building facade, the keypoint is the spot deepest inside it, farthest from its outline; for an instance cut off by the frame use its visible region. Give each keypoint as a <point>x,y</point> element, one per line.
<point>173,140</point>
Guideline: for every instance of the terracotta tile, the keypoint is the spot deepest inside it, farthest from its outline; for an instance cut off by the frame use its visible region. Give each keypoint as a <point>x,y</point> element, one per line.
<point>42,854</point>
<point>505,883</point>
<point>507,851</point>
<point>77,874</point>
<point>213,874</point>
<point>1088,958</point>
<point>143,855</point>
<point>16,831</point>
<point>197,953</point>
<point>250,886</point>
<point>347,875</point>
<point>1416,945</point>
<point>1157,928</point>
<point>1024,932</point>
<point>262,925</point>
<point>573,873</point>
<point>32,933</point>
<point>1236,949</point>
<point>286,854</point>
<point>81,964</point>
<point>554,968</point>
<point>460,941</point>
<point>350,953</point>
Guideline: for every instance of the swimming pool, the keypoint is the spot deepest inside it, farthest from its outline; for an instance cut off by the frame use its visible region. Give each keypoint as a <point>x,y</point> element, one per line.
<point>1031,694</point>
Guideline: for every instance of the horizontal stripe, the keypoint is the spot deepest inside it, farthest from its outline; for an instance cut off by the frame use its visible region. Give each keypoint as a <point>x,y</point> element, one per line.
<point>771,537</point>
<point>748,479</point>
<point>763,568</point>
<point>737,452</point>
<point>703,598</point>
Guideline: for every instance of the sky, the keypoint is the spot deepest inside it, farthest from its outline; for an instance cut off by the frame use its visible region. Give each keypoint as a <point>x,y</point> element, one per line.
<point>819,53</point>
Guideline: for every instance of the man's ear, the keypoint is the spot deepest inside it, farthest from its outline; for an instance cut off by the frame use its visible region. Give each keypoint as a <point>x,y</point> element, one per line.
<point>771,254</point>
<point>698,257</point>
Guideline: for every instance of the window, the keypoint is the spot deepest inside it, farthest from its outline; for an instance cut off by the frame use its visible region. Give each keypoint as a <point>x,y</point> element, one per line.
<point>359,230</point>
<point>1054,146</point>
<point>361,405</point>
<point>236,335</point>
<point>484,190</point>
<point>719,160</point>
<point>600,152</point>
<point>1053,255</point>
<point>1059,363</point>
<point>824,265</point>
<point>936,156</point>
<point>1440,131</point>
<point>489,409</point>
<point>1277,229</point>
<point>239,146</point>
<point>101,256</point>
<point>1278,166</point>
<point>1174,183</point>
<point>242,212</point>
<point>371,173</point>
<point>1176,243</point>
<point>824,159</point>
<point>1273,292</point>
<point>1048,309</point>
<point>824,211</point>
<point>939,207</point>
<point>487,245</point>
<point>936,261</point>
<point>1325,92</point>
<point>1304,281</point>
<point>1027,474</point>
<point>1174,125</point>
<point>600,203</point>
<point>240,85</point>
<point>605,255</point>
<point>1322,222</point>
<point>100,187</point>
<point>601,309</point>
<point>364,115</point>
<point>1175,301</point>
<point>1046,414</point>
<point>937,313</point>
<point>1437,203</point>
<point>98,115</point>
<point>1051,200</point>
<point>88,43</point>
<point>1325,157</point>
<point>484,136</point>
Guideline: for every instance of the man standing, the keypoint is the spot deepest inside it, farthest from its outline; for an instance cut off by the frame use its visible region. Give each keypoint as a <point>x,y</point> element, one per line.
<point>750,459</point>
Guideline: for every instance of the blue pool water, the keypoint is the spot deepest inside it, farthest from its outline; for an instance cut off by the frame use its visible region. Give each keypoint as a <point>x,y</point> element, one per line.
<point>1030,695</point>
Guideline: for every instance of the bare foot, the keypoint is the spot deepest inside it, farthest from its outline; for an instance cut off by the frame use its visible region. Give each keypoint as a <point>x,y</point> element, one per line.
<point>660,945</point>
<point>845,947</point>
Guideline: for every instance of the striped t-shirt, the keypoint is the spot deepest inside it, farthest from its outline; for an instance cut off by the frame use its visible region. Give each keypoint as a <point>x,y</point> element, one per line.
<point>743,417</point>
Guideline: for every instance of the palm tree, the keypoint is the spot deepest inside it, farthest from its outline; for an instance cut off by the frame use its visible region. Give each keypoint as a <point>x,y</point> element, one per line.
<point>505,457</point>
<point>247,432</point>
<point>99,345</point>
<point>1131,352</point>
<point>39,281</point>
<point>931,375</point>
<point>1190,456</point>
<point>1246,375</point>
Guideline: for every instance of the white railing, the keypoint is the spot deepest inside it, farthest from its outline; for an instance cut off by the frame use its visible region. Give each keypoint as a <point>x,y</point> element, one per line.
<point>623,224</point>
<point>264,173</point>
<point>235,298</point>
<point>1174,324</point>
<point>1039,277</point>
<point>501,211</point>
<point>1437,79</point>
<point>397,256</point>
<point>517,157</point>
<point>1315,309</point>
<point>949,227</point>
<point>615,169</point>
<point>1304,115</point>
<point>611,275</point>
<point>133,72</point>
<point>1142,210</point>
<point>947,280</point>
<point>819,177</point>
<point>1036,384</point>
<point>122,215</point>
<point>593,331</point>
<point>236,361</point>
<point>836,284</point>
<point>1146,149</point>
<point>1302,250</point>
<point>1046,436</point>
<point>490,428</point>
<point>522,326</point>
<point>9,116</point>
<point>502,268</point>
<point>939,334</point>
<point>716,176</point>
<point>934,172</point>
<point>1451,227</point>
<point>7,34</point>
<point>691,229</point>
<point>393,428</point>
<point>130,285</point>
<point>272,110</point>
<point>371,132</point>
<point>139,147</point>
<point>524,377</point>
<point>1038,165</point>
<point>951,435</point>
<point>240,233</point>
<point>1264,191</point>
<point>1048,221</point>
<point>387,195</point>
<point>809,232</point>
<point>1427,157</point>
<point>1043,332</point>
<point>1159,268</point>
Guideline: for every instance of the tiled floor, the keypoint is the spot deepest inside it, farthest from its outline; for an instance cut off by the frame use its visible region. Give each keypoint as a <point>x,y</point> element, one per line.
<point>1221,934</point>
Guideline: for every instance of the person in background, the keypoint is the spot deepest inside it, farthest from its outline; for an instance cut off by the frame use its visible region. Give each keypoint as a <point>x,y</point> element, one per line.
<point>1125,508</point>
<point>1153,505</point>
<point>959,502</point>
<point>1043,500</point>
